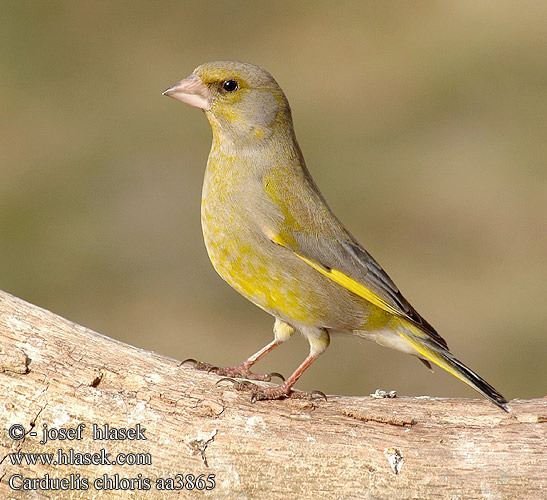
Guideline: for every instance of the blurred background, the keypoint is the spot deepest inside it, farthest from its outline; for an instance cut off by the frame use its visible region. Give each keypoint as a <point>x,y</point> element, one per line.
<point>424,124</point>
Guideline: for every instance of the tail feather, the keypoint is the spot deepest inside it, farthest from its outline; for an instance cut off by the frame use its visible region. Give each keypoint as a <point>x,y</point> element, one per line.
<point>437,354</point>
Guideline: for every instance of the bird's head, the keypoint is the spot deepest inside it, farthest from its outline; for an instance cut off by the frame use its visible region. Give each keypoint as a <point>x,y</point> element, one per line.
<point>243,102</point>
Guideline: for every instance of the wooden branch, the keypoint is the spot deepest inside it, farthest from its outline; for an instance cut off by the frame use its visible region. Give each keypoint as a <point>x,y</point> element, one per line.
<point>60,375</point>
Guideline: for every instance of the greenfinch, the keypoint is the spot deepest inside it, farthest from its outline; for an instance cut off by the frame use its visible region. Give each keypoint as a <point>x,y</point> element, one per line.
<point>271,235</point>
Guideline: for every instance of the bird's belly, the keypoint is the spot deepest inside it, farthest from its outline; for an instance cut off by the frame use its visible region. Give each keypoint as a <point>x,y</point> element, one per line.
<point>259,277</point>
<point>274,279</point>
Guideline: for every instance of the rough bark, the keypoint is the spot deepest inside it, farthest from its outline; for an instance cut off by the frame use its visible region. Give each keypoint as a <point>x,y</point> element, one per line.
<point>56,373</point>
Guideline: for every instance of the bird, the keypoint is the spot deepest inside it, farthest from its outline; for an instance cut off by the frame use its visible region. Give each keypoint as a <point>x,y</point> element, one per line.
<point>270,234</point>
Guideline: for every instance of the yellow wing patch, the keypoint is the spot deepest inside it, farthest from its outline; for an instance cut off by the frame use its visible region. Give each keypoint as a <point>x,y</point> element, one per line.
<point>352,285</point>
<point>434,356</point>
<point>342,279</point>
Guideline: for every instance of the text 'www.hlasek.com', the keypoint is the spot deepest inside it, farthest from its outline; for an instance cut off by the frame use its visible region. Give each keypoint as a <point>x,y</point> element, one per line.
<point>70,457</point>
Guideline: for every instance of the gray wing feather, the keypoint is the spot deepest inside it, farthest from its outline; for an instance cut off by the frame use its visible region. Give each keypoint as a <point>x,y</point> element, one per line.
<point>350,258</point>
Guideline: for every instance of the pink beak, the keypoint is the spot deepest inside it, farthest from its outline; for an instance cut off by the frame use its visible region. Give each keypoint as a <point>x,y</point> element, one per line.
<point>192,91</point>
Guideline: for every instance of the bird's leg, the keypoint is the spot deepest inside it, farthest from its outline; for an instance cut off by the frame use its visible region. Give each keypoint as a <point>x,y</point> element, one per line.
<point>319,341</point>
<point>243,370</point>
<point>285,389</point>
<point>282,332</point>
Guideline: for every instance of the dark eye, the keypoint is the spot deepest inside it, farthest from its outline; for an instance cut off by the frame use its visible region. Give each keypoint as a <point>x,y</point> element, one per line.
<point>230,85</point>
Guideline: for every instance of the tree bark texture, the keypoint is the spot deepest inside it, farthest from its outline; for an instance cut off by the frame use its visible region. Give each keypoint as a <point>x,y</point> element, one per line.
<point>179,432</point>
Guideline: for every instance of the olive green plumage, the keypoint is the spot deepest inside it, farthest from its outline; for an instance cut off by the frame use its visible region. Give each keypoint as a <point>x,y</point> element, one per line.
<point>270,234</point>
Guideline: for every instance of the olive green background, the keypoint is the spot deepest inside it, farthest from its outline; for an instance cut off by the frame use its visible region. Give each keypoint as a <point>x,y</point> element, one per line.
<point>424,124</point>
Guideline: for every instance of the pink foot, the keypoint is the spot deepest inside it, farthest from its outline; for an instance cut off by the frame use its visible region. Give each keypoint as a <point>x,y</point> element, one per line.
<point>270,393</point>
<point>240,371</point>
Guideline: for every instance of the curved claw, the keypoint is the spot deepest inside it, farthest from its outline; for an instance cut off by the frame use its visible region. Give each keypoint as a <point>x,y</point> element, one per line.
<point>189,360</point>
<point>239,385</point>
<point>254,397</point>
<point>212,369</point>
<point>318,393</point>
<point>275,374</point>
<point>226,379</point>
